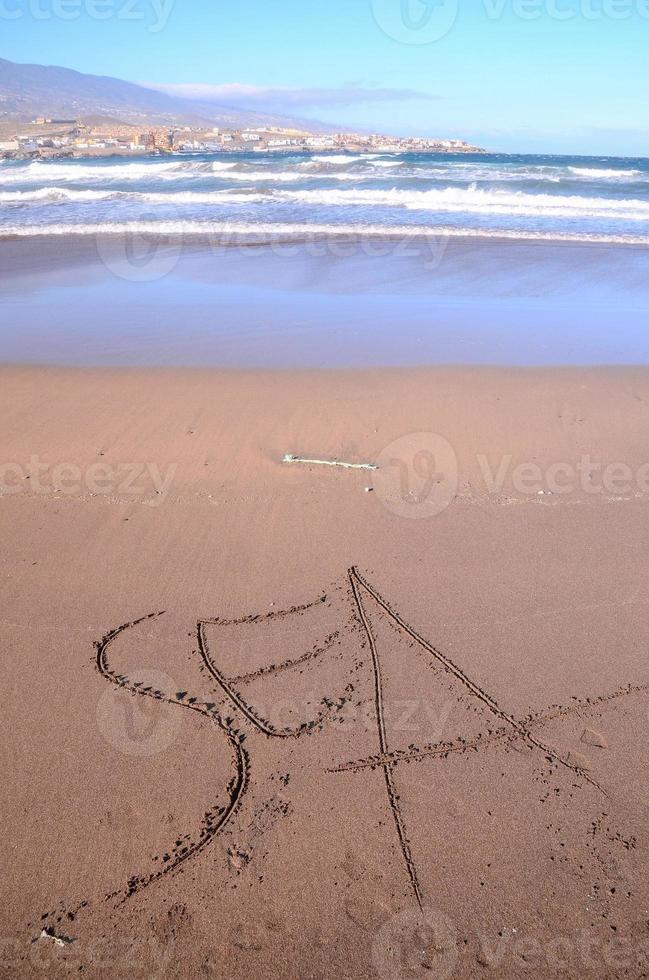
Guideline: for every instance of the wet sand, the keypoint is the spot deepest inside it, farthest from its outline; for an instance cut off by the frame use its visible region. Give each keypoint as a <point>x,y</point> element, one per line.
<point>140,301</point>
<point>259,715</point>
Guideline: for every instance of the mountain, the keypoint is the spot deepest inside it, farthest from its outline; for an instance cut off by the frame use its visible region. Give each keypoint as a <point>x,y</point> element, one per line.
<point>29,91</point>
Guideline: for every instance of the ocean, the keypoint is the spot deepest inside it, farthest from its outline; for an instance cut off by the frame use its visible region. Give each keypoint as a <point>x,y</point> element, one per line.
<point>325,260</point>
<point>598,199</point>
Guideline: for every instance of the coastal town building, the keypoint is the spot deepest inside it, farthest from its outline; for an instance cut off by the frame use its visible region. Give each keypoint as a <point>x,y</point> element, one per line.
<point>50,138</point>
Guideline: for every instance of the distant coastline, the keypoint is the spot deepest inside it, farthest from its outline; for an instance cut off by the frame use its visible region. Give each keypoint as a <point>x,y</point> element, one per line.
<point>44,138</point>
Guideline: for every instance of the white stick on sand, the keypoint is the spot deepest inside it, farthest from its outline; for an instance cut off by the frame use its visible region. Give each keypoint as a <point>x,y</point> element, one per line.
<point>329,462</point>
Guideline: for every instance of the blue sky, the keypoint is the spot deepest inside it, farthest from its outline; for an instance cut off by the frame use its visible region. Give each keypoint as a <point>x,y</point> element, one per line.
<point>516,75</point>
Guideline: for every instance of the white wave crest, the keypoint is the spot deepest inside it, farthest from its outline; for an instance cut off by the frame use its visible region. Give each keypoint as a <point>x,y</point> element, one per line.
<point>53,195</point>
<point>227,231</point>
<point>595,173</point>
<point>341,159</point>
<point>47,172</point>
<point>478,201</point>
<point>450,200</point>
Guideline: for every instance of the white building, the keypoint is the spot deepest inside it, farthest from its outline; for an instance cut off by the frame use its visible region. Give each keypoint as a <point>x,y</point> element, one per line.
<point>320,142</point>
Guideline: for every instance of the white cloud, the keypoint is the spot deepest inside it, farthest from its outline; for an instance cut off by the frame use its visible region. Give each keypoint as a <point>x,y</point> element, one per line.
<point>281,99</point>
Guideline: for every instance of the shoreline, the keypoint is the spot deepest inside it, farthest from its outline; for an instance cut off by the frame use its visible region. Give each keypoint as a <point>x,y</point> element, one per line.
<point>452,371</point>
<point>121,300</point>
<point>216,237</point>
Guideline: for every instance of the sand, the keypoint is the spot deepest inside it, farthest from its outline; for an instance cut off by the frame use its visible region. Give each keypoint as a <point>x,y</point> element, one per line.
<point>118,301</point>
<point>299,721</point>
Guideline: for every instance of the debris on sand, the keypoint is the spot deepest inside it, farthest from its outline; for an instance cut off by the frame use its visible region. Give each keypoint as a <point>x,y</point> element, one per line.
<point>57,940</point>
<point>288,458</point>
<point>591,737</point>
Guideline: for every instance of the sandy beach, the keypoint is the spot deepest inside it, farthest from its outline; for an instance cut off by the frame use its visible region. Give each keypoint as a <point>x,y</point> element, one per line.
<point>324,490</point>
<point>280,718</point>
